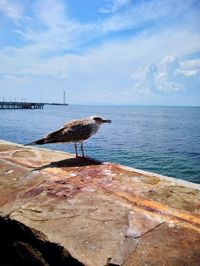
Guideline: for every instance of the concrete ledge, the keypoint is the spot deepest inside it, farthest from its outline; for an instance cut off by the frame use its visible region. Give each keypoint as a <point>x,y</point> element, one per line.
<point>58,210</point>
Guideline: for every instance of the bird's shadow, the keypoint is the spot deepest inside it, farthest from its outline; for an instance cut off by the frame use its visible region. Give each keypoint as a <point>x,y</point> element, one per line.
<point>71,162</point>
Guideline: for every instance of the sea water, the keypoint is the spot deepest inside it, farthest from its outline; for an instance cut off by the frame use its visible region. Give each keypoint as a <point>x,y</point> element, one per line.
<point>163,140</point>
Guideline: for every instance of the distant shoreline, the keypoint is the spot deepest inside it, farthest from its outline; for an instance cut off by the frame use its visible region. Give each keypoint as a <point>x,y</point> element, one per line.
<point>132,105</point>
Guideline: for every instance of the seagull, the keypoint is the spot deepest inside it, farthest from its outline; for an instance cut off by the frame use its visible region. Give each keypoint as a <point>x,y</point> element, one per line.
<point>75,131</point>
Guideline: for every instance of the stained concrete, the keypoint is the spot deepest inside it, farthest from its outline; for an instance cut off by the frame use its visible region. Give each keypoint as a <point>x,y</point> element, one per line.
<point>59,210</point>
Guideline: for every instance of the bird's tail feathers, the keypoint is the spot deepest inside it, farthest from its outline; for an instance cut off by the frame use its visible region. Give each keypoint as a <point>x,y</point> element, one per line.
<point>37,142</point>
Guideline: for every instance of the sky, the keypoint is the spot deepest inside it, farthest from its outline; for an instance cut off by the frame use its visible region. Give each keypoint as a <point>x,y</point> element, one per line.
<point>127,52</point>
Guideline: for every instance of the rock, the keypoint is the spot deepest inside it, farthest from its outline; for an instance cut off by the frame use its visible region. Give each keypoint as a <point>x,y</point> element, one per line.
<point>59,210</point>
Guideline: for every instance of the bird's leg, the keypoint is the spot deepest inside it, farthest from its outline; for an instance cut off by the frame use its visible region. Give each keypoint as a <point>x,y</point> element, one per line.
<point>83,155</point>
<point>75,147</point>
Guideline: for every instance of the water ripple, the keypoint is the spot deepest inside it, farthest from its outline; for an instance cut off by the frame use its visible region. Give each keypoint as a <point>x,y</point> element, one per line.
<point>158,139</point>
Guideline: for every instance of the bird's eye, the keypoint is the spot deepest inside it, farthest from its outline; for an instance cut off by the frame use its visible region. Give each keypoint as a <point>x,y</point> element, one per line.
<point>98,119</point>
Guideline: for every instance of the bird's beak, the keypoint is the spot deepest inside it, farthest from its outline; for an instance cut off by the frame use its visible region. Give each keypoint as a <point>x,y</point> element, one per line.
<point>107,121</point>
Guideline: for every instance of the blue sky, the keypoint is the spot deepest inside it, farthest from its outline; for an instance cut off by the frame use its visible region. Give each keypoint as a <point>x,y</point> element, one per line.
<point>144,52</point>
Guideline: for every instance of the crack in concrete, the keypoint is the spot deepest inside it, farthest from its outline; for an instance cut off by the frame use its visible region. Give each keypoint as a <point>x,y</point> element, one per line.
<point>135,249</point>
<point>149,230</point>
<point>130,254</point>
<point>45,219</point>
<point>101,220</point>
<point>32,210</point>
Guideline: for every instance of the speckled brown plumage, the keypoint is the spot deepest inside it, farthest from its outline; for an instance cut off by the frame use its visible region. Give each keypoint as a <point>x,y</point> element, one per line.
<point>73,131</point>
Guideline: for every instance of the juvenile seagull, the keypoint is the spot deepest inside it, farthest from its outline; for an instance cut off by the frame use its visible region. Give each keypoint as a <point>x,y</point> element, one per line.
<point>74,131</point>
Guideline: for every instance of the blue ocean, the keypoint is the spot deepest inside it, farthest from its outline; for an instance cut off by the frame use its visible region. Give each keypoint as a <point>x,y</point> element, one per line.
<point>164,140</point>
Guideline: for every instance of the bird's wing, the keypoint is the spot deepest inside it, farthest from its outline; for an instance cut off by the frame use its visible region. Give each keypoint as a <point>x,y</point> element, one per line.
<point>70,132</point>
<point>55,136</point>
<point>77,132</point>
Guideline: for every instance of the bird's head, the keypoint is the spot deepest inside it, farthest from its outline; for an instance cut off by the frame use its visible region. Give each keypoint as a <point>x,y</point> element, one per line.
<point>99,120</point>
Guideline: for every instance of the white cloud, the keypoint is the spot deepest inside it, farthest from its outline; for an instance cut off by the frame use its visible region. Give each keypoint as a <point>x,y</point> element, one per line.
<point>107,67</point>
<point>136,14</point>
<point>172,76</point>
<point>102,72</point>
<point>52,29</point>
<point>11,9</point>
<point>114,6</point>
<point>171,64</point>
<point>108,59</point>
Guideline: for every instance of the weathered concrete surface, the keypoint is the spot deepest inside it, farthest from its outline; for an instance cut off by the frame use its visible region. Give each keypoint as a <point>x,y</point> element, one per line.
<point>65,211</point>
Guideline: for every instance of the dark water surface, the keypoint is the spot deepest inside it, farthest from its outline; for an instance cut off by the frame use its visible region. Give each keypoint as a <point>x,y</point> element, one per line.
<point>164,140</point>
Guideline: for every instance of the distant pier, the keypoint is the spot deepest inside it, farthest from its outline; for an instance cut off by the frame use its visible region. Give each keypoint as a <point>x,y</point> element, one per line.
<point>21,105</point>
